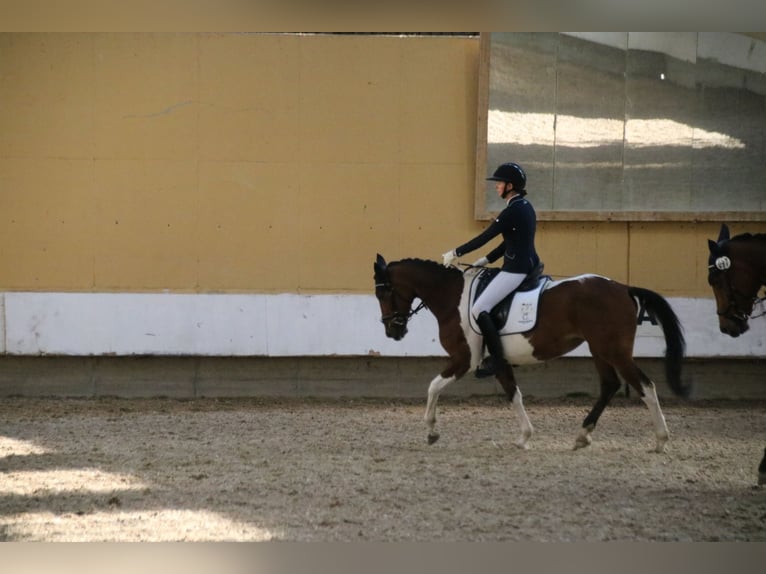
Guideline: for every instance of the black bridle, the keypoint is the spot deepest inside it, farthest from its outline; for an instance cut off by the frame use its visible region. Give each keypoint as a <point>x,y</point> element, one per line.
<point>733,311</point>
<point>397,318</point>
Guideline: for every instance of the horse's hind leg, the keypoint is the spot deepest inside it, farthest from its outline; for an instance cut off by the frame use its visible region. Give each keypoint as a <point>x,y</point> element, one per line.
<point>610,384</point>
<point>637,379</point>
<point>512,391</point>
<point>652,402</point>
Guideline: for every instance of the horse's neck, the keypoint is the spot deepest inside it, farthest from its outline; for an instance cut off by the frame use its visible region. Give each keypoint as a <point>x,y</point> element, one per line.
<point>754,253</point>
<point>442,299</point>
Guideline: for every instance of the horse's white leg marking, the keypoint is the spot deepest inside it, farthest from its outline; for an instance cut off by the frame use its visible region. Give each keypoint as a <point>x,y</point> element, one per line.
<point>660,427</point>
<point>584,439</point>
<point>434,390</point>
<point>521,414</point>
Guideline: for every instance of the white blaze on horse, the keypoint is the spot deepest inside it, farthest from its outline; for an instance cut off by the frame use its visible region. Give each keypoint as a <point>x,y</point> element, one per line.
<point>586,309</point>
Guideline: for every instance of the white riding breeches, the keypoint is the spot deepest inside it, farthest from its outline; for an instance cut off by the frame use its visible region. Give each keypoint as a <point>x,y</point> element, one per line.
<point>496,291</point>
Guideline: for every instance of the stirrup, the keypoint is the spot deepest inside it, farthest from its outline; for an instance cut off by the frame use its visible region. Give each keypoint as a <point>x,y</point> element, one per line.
<point>486,368</point>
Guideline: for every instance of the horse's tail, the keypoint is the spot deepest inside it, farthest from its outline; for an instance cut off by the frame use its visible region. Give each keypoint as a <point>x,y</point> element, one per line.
<point>657,306</point>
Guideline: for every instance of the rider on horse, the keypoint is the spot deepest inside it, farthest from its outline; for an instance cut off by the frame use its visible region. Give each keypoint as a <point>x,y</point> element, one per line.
<point>517,224</point>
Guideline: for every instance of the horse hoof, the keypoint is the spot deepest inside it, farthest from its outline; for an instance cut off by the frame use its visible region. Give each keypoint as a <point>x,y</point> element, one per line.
<point>582,442</point>
<point>661,442</point>
<point>432,438</point>
<point>522,445</point>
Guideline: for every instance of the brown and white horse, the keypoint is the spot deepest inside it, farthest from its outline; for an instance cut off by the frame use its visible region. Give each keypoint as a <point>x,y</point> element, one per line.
<point>588,308</point>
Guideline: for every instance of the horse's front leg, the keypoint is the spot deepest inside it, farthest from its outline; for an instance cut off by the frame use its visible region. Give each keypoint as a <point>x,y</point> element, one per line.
<point>524,423</point>
<point>459,363</point>
<point>434,390</point>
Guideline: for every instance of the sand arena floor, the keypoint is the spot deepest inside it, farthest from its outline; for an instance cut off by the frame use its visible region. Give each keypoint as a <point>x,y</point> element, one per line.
<point>361,470</point>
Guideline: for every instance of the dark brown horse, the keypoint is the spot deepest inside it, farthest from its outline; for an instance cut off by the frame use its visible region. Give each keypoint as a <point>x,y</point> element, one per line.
<point>736,272</point>
<point>588,308</point>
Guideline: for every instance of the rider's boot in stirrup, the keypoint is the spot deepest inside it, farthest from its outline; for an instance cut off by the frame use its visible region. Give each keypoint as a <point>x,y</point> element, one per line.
<point>490,365</point>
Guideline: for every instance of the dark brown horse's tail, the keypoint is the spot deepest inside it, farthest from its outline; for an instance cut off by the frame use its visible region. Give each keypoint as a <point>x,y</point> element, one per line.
<point>658,307</point>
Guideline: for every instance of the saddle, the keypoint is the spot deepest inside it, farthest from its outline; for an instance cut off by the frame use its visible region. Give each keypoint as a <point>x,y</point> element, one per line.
<point>531,287</point>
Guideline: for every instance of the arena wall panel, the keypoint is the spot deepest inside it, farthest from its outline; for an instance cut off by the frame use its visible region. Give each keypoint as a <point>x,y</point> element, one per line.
<point>231,191</point>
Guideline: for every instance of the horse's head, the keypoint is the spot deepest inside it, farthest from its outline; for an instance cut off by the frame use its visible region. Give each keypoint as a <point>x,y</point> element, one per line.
<point>734,283</point>
<point>395,300</point>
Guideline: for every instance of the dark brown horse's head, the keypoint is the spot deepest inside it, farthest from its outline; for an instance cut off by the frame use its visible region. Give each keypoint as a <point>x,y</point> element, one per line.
<point>395,301</point>
<point>734,280</point>
<point>399,283</point>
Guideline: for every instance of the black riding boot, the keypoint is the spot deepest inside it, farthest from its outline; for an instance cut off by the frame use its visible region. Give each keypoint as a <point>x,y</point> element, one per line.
<point>496,359</point>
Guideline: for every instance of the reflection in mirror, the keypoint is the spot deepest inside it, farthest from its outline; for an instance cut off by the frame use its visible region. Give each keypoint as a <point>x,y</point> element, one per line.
<point>626,125</point>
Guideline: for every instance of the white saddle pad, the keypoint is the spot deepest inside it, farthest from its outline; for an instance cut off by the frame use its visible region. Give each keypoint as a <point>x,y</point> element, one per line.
<point>523,313</point>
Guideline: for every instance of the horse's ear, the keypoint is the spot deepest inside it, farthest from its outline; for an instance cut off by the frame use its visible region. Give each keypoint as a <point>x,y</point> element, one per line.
<point>723,235</point>
<point>713,246</point>
<point>380,264</point>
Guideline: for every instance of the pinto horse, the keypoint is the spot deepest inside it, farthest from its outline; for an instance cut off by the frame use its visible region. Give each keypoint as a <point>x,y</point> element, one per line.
<point>736,272</point>
<point>588,308</point>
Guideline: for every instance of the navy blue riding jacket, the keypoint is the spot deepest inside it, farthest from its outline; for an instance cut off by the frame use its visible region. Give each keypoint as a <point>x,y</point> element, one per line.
<point>517,223</point>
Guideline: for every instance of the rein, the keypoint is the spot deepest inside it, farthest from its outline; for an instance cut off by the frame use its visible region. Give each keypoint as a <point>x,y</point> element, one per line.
<point>469,266</point>
<point>759,301</point>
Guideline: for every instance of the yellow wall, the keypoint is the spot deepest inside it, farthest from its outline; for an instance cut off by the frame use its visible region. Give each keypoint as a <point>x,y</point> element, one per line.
<point>668,257</point>
<point>263,163</point>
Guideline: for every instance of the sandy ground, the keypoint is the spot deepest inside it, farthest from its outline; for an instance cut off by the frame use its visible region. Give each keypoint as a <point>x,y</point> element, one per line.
<point>292,470</point>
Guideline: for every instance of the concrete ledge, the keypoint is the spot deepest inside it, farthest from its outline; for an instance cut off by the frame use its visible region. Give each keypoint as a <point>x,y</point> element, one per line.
<point>337,377</point>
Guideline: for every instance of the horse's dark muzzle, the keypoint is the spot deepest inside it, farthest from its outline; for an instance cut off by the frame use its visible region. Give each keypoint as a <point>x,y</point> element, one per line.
<point>397,334</point>
<point>396,328</point>
<point>734,327</point>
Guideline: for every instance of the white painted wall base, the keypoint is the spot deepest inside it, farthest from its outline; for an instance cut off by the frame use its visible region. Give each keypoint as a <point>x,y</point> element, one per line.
<point>277,325</point>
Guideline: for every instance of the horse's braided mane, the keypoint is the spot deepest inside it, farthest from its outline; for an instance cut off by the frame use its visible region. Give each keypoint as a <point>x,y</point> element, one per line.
<point>437,268</point>
<point>749,237</point>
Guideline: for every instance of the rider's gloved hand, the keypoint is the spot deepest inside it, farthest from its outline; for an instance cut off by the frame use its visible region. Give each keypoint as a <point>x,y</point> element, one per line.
<point>449,257</point>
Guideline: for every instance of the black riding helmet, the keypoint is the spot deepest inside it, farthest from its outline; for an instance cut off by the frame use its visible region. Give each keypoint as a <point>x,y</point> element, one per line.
<point>511,173</point>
